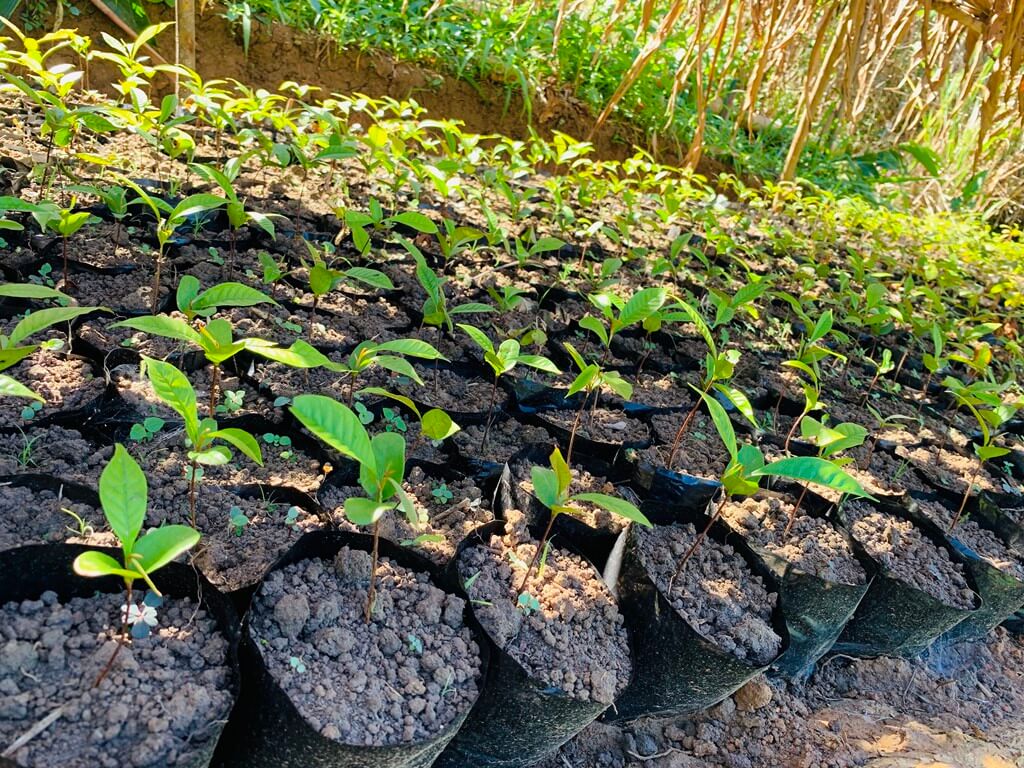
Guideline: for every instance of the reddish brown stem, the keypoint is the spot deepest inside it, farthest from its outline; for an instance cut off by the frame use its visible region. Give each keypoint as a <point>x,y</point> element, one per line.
<point>536,554</point>
<point>792,431</point>
<point>154,302</point>
<point>214,384</point>
<point>963,502</point>
<point>572,434</point>
<point>678,439</point>
<point>490,413</point>
<point>192,493</point>
<point>371,591</point>
<point>796,510</point>
<point>122,641</point>
<point>696,543</point>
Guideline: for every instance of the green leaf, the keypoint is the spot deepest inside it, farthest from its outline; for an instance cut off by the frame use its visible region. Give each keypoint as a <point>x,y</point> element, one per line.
<point>926,156</point>
<point>540,363</point>
<point>230,295</point>
<point>389,463</point>
<point>371,277</point>
<point>562,472</point>
<point>989,452</point>
<point>174,389</point>
<point>399,365</point>
<point>381,392</point>
<point>721,421</point>
<point>162,325</point>
<point>11,357</point>
<point>478,336</point>
<point>194,204</point>
<point>95,564</point>
<point>417,221</point>
<point>411,348</point>
<point>613,380</point>
<point>242,440</point>
<point>471,308</point>
<point>584,380</point>
<point>545,486</point>
<point>811,469</point>
<point>595,326</point>
<point>31,291</point>
<point>41,319</point>
<point>336,425</point>
<point>10,387</point>
<point>821,328</point>
<point>702,326</point>
<point>616,506</point>
<point>188,289</point>
<point>162,545</point>
<point>739,402</point>
<point>365,511</point>
<point>216,456</point>
<point>124,494</point>
<point>437,425</point>
<point>300,354</point>
<point>642,305</point>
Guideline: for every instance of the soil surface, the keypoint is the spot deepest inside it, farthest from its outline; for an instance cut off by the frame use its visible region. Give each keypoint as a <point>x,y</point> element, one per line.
<point>908,555</point>
<point>161,704</point>
<point>715,592</point>
<point>812,544</point>
<point>37,517</point>
<point>957,707</point>
<point>572,637</point>
<point>403,677</point>
<point>984,542</point>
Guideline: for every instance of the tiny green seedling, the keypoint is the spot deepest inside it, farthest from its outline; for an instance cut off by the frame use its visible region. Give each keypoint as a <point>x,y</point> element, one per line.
<point>124,495</point>
<point>237,520</point>
<point>442,493</point>
<point>146,430</point>
<point>297,664</point>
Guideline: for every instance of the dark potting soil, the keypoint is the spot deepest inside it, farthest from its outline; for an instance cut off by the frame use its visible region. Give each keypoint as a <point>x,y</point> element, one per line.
<point>129,292</point>
<point>984,542</point>
<point>36,517</point>
<point>402,677</point>
<point>716,592</point>
<point>813,544</point>
<point>701,452</point>
<point>908,555</point>
<point>505,438</point>
<point>603,425</point>
<point>575,640</point>
<point>65,383</point>
<point>452,519</point>
<point>158,706</point>
<point>56,451</point>
<point>98,333</point>
<point>453,392</point>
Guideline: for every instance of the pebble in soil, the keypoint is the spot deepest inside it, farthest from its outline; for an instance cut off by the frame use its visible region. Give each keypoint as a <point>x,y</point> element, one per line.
<point>449,509</point>
<point>715,592</point>
<point>573,639</point>
<point>161,704</point>
<point>813,544</point>
<point>405,676</point>
<point>908,555</point>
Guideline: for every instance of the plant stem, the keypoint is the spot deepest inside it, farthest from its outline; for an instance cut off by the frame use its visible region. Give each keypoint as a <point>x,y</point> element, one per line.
<point>122,641</point>
<point>371,591</point>
<point>67,282</point>
<point>678,439</point>
<point>154,302</point>
<point>490,412</point>
<point>871,452</point>
<point>536,554</point>
<point>214,384</point>
<point>963,502</point>
<point>792,431</point>
<point>796,509</point>
<point>899,367</point>
<point>192,493</point>
<point>572,434</point>
<point>697,542</point>
<point>871,386</point>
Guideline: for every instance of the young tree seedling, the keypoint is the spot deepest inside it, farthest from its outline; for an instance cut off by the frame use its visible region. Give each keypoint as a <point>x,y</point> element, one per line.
<point>124,495</point>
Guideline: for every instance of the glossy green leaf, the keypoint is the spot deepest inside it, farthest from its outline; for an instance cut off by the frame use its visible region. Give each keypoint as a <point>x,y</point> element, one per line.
<point>616,506</point>
<point>438,425</point>
<point>174,389</point>
<point>811,469</point>
<point>411,348</point>
<point>230,295</point>
<point>545,486</point>
<point>96,564</point>
<point>160,546</point>
<point>642,305</point>
<point>162,325</point>
<point>10,387</point>
<point>124,494</point>
<point>31,291</point>
<point>363,512</point>
<point>336,425</point>
<point>41,319</point>
<point>242,440</point>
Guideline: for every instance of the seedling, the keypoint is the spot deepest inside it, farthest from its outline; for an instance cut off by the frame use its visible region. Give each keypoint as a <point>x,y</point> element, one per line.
<point>442,493</point>
<point>551,487</point>
<point>146,430</point>
<point>619,314</point>
<point>389,355</point>
<point>297,664</point>
<point>65,222</point>
<point>202,435</point>
<point>237,520</point>
<point>233,401</point>
<point>591,380</point>
<point>503,360</point>
<point>168,219</point>
<point>988,419</point>
<point>324,278</point>
<point>124,495</point>
<point>747,466</point>
<point>381,467</point>
<point>718,370</point>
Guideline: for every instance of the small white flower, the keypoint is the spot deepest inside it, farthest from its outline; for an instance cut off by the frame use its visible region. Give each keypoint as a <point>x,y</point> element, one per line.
<point>140,613</point>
